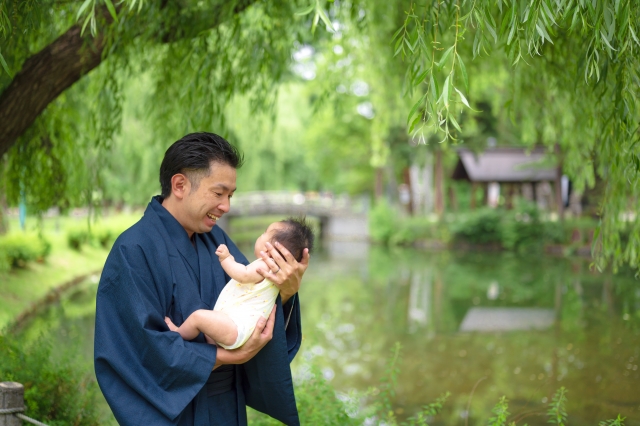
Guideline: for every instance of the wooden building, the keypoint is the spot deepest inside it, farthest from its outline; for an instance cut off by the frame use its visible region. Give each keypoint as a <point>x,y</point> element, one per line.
<point>517,170</point>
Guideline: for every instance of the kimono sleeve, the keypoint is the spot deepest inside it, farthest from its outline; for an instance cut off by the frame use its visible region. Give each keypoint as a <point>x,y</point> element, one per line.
<point>147,373</point>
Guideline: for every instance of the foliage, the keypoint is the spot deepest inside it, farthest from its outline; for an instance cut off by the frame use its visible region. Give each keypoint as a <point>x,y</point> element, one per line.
<point>557,412</point>
<point>56,392</point>
<point>577,94</point>
<point>618,421</point>
<point>428,411</point>
<point>564,73</point>
<point>500,413</point>
<point>382,221</point>
<point>18,249</point>
<point>99,235</point>
<point>481,227</point>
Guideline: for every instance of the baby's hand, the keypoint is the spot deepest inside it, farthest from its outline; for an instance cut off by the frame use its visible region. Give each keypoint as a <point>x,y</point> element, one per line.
<point>222,252</point>
<point>170,323</point>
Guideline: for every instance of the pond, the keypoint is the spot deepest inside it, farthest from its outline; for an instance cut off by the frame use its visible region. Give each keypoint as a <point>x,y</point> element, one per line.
<point>477,325</point>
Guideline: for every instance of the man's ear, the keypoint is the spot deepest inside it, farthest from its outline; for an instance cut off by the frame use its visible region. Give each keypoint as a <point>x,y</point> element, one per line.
<point>180,186</point>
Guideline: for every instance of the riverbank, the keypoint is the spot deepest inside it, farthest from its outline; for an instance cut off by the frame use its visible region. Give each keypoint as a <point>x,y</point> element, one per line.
<point>22,290</point>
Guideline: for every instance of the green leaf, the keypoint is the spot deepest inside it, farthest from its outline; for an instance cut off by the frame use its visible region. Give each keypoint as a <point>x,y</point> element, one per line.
<point>455,123</point>
<point>434,89</point>
<point>445,92</point>
<point>633,34</point>
<point>419,78</point>
<point>464,100</point>
<point>415,107</point>
<point>606,41</point>
<point>397,33</point>
<point>4,65</point>
<point>325,19</point>
<point>112,10</point>
<point>463,71</point>
<point>86,21</point>
<point>82,9</point>
<point>445,55</point>
<point>305,10</point>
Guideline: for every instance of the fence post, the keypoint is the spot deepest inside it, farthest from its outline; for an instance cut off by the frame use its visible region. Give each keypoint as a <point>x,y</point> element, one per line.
<point>11,397</point>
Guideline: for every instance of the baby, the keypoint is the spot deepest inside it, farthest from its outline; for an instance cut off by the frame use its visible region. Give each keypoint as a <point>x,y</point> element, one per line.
<point>248,295</point>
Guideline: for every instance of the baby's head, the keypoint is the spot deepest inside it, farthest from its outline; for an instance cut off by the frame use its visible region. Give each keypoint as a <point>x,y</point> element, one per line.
<point>294,234</point>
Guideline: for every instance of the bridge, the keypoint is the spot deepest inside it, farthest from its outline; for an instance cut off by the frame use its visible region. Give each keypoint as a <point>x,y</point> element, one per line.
<point>341,217</point>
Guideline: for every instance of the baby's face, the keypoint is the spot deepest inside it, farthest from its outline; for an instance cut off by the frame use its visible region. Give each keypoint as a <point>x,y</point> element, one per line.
<point>261,242</point>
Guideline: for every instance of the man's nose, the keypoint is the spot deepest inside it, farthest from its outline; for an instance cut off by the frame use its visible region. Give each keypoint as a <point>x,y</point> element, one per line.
<point>225,205</point>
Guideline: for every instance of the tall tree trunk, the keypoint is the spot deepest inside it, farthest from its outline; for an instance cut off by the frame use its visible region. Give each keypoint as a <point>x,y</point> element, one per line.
<point>379,189</point>
<point>439,184</point>
<point>558,185</point>
<point>43,77</point>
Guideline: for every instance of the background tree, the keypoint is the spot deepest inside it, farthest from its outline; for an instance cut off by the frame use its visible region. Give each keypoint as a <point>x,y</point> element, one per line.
<point>568,78</point>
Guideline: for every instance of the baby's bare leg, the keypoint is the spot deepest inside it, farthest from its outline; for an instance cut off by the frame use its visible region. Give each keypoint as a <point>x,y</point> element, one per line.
<point>215,324</point>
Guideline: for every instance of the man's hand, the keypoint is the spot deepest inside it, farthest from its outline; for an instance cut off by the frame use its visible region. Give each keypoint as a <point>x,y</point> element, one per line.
<point>286,273</point>
<point>260,337</point>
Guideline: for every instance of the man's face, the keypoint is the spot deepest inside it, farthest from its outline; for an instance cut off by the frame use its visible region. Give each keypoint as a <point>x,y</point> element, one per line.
<point>202,207</point>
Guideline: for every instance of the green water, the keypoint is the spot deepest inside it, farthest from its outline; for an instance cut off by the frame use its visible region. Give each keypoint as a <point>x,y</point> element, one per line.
<point>358,301</point>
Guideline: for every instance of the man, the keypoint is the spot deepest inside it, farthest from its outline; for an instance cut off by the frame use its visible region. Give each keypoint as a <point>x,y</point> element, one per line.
<point>165,266</point>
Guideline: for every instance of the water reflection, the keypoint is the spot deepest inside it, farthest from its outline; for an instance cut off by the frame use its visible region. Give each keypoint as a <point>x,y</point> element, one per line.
<point>523,327</point>
<point>520,327</point>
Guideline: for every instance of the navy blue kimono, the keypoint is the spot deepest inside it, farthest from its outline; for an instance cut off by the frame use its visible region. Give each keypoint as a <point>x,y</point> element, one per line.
<point>149,375</point>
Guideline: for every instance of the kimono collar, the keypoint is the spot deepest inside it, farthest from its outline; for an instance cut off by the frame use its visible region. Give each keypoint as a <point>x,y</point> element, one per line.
<point>177,233</point>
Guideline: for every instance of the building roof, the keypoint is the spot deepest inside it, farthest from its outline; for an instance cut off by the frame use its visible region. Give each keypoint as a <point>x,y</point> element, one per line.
<point>503,165</point>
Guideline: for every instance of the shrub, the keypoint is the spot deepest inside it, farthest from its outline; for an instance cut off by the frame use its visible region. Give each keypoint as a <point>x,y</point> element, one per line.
<point>480,227</point>
<point>99,236</point>
<point>57,393</point>
<point>521,228</point>
<point>418,228</point>
<point>382,222</point>
<point>77,237</point>
<point>18,249</point>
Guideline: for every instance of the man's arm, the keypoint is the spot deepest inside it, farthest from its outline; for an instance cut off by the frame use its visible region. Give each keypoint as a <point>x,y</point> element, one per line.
<point>262,334</point>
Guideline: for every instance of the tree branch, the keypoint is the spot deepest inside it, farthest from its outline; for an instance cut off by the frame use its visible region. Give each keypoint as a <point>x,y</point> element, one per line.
<point>42,78</point>
<point>48,73</point>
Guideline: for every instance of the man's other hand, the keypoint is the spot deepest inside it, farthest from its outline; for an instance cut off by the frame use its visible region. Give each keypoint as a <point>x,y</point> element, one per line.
<point>287,276</point>
<point>262,334</point>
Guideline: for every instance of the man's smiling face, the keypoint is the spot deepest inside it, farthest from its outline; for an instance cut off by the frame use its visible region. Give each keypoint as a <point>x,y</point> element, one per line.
<point>210,200</point>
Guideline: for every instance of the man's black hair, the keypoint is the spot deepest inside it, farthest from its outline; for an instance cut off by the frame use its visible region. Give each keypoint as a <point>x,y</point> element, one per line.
<point>192,156</point>
<point>295,236</point>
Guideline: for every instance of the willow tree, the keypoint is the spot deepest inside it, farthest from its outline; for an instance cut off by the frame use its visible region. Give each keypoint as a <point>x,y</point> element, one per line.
<point>572,79</point>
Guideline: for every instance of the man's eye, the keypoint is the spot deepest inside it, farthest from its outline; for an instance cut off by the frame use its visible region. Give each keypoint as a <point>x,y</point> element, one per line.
<point>218,194</point>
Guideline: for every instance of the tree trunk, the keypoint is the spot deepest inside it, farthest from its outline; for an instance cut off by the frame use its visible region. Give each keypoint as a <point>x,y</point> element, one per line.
<point>43,77</point>
<point>379,189</point>
<point>439,184</point>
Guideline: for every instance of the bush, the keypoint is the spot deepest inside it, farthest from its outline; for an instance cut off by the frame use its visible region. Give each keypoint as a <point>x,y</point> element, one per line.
<point>383,220</point>
<point>521,228</point>
<point>418,228</point>
<point>18,249</point>
<point>57,393</point>
<point>99,236</point>
<point>77,237</point>
<point>480,227</point>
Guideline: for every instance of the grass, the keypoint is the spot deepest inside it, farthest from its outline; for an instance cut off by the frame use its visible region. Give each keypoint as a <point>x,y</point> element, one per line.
<point>20,288</point>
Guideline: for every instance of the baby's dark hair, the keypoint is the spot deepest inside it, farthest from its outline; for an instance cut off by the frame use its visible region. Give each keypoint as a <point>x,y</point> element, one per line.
<point>296,236</point>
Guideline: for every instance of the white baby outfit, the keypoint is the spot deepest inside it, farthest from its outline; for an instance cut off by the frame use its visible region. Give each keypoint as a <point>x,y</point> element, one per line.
<point>244,303</point>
